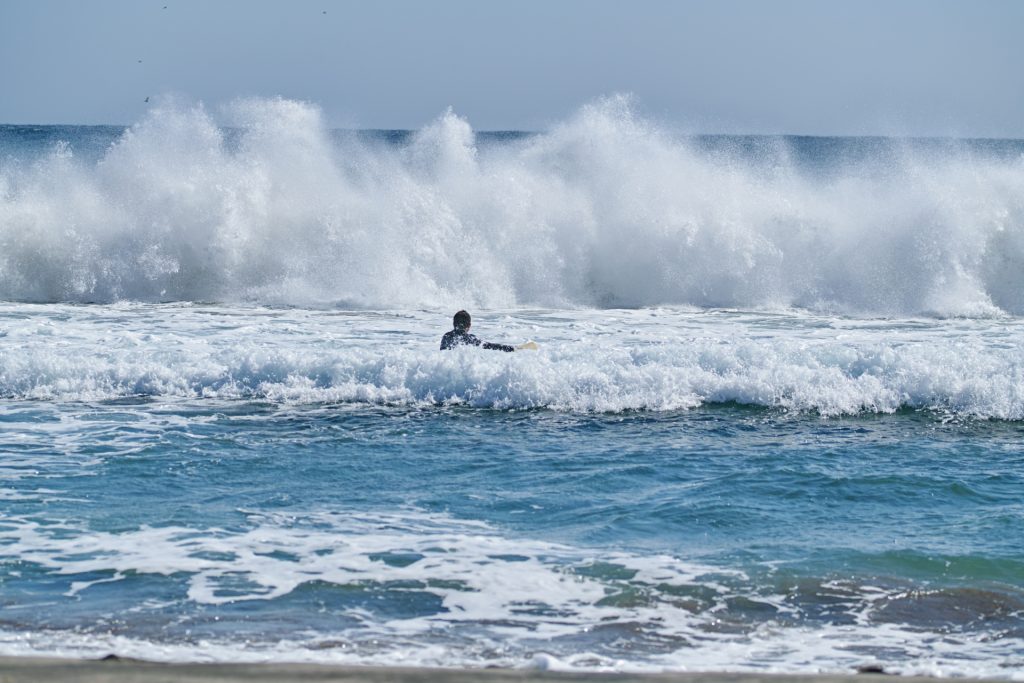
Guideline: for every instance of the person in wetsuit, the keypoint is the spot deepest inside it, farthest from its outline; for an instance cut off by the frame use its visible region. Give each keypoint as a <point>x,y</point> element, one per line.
<point>460,336</point>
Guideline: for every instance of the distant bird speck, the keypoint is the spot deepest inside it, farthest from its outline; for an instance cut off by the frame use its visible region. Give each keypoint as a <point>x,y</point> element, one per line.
<point>147,99</point>
<point>140,61</point>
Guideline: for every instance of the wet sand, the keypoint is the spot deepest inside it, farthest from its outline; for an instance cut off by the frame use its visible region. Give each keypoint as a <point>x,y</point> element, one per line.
<point>31,669</point>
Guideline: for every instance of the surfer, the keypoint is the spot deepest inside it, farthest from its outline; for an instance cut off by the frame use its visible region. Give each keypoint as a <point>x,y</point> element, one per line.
<point>460,336</point>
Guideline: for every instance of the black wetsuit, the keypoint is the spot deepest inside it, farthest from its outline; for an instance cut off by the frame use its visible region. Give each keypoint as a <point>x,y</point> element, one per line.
<point>462,338</point>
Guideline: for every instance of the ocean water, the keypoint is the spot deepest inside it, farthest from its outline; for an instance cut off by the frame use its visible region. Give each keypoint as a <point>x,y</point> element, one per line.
<point>774,424</point>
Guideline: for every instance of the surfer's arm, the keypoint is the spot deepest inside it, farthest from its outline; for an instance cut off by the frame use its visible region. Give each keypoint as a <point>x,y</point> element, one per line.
<point>498,347</point>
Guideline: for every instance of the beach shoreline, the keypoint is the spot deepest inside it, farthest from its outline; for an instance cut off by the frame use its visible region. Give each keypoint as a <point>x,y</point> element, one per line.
<point>121,670</point>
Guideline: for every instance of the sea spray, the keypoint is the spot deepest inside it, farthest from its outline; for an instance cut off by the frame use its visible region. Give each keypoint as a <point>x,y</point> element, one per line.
<point>264,204</point>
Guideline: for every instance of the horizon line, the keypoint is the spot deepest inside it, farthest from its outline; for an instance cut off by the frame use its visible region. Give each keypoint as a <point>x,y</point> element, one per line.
<point>494,131</point>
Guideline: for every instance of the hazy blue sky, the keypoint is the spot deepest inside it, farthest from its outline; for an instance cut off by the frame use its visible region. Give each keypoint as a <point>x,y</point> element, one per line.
<point>856,67</point>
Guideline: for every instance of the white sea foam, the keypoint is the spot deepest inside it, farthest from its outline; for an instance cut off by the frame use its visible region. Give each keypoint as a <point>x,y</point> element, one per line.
<point>515,597</point>
<point>652,359</point>
<point>605,209</point>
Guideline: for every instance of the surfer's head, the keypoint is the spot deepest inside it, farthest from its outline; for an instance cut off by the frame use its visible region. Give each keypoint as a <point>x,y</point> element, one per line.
<point>462,321</point>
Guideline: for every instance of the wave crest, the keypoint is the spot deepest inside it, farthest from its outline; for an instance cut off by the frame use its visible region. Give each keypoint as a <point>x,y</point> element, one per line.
<point>604,210</point>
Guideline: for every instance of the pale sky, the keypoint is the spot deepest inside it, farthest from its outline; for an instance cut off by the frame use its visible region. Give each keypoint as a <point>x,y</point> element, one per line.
<point>854,67</point>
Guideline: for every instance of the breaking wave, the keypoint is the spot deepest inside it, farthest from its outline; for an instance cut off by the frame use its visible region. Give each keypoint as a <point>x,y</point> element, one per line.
<point>590,361</point>
<point>266,204</point>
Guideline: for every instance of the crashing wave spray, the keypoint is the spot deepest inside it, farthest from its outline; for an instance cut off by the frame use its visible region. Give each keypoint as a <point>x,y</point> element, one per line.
<point>603,210</point>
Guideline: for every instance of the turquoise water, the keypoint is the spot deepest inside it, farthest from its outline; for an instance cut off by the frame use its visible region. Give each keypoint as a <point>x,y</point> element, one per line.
<point>774,422</point>
<point>645,539</point>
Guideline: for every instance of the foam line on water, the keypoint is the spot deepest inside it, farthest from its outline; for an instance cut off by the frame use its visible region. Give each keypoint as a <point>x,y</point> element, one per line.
<point>604,209</point>
<point>505,601</point>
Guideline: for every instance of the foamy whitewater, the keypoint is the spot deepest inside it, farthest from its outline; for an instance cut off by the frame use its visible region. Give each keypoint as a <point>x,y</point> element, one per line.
<point>774,423</point>
<point>603,211</point>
